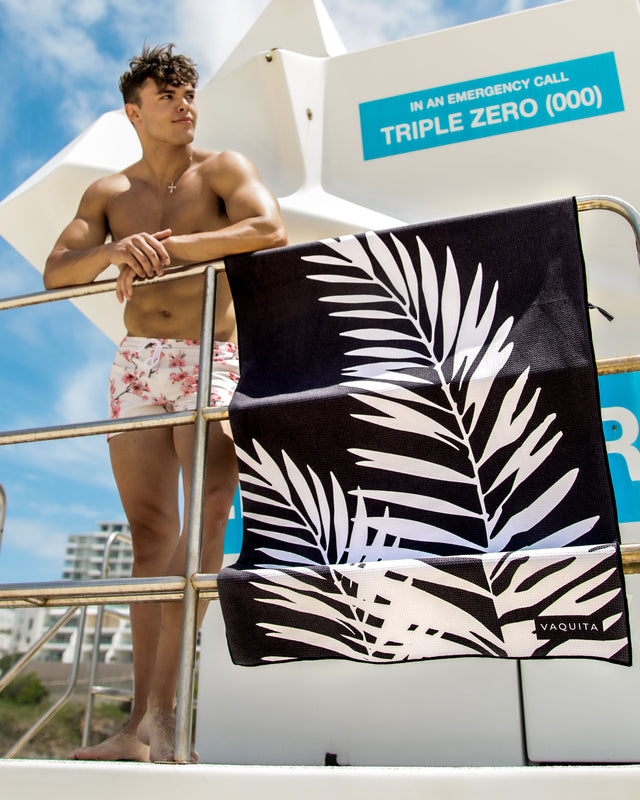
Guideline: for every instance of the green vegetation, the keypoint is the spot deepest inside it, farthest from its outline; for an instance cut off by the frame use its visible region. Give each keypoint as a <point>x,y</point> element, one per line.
<point>26,698</point>
<point>62,734</point>
<point>25,690</point>
<point>7,661</point>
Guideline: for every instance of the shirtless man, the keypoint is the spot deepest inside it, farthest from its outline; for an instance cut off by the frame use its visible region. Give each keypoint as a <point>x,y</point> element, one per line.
<point>178,205</point>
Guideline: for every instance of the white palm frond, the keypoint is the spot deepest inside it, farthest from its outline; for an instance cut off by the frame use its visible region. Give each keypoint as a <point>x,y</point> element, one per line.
<point>309,518</point>
<point>408,465</point>
<point>399,417</point>
<point>553,575</point>
<point>366,634</point>
<point>435,338</point>
<point>531,515</point>
<point>566,535</point>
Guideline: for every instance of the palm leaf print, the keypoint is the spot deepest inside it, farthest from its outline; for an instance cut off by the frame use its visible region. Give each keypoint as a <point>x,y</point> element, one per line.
<point>445,343</point>
<point>300,506</point>
<point>414,485</point>
<point>376,612</point>
<point>359,622</point>
<point>458,348</point>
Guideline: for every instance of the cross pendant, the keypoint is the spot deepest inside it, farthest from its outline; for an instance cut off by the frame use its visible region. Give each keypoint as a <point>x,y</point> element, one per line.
<point>172,187</point>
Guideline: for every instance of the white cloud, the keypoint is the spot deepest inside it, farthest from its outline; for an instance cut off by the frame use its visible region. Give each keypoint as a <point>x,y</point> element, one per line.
<point>80,47</point>
<point>84,394</point>
<point>23,329</point>
<point>209,30</point>
<point>367,23</point>
<point>64,466</point>
<point>30,547</point>
<point>30,536</point>
<point>53,35</point>
<point>511,6</point>
<point>370,22</point>
<point>33,549</point>
<point>144,21</point>
<point>88,12</point>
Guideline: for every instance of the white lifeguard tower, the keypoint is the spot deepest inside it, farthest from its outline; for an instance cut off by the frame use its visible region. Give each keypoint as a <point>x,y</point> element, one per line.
<point>415,130</point>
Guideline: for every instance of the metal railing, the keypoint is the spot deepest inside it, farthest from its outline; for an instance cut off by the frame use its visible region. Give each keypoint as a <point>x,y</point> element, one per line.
<point>193,585</point>
<point>93,690</point>
<point>71,682</point>
<point>3,510</point>
<point>188,588</point>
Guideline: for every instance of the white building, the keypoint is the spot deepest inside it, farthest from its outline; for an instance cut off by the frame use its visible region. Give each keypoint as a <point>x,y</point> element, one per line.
<point>85,553</point>
<point>83,561</point>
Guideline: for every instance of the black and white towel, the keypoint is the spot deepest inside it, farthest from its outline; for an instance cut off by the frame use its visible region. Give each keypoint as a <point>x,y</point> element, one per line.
<point>423,468</point>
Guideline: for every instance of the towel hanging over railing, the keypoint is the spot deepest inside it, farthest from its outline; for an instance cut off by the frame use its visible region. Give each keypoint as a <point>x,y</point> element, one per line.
<point>423,467</point>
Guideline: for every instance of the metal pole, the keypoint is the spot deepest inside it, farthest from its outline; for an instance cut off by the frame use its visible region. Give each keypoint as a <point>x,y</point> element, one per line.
<point>97,632</point>
<point>616,205</point>
<point>3,510</point>
<point>100,426</point>
<point>184,694</point>
<point>91,592</point>
<point>13,751</point>
<point>99,287</point>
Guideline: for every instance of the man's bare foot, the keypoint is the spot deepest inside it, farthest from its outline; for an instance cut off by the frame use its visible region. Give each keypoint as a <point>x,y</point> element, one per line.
<point>123,746</point>
<point>157,729</point>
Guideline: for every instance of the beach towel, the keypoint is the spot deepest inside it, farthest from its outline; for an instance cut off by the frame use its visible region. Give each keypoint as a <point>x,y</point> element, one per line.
<point>423,470</point>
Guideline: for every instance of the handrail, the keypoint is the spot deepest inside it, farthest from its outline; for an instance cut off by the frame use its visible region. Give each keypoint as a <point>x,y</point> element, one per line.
<point>183,588</point>
<point>101,287</point>
<point>51,594</point>
<point>111,426</point>
<point>52,710</point>
<point>97,634</point>
<point>3,510</point>
<point>618,206</point>
<point>60,593</point>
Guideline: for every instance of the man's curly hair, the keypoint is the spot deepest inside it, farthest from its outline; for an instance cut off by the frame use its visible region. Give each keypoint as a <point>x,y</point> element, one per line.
<point>162,65</point>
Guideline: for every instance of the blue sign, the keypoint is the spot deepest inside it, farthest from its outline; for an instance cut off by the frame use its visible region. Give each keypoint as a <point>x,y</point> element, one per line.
<point>233,531</point>
<point>620,401</point>
<point>513,101</point>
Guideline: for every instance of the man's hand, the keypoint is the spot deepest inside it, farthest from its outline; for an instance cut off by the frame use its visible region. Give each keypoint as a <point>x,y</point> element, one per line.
<point>141,255</point>
<point>144,253</point>
<point>124,284</point>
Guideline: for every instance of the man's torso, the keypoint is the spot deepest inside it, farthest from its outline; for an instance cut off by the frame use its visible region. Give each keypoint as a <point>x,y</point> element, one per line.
<point>172,309</point>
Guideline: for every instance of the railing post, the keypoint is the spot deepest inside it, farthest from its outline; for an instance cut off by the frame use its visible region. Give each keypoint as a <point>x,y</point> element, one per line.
<point>95,653</point>
<point>184,696</point>
<point>3,510</point>
<point>42,721</point>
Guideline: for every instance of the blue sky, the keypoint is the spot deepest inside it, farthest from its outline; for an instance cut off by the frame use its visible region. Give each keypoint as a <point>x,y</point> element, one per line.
<point>61,62</point>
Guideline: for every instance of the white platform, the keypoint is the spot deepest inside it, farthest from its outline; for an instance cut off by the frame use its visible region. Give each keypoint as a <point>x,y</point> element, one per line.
<point>78,780</point>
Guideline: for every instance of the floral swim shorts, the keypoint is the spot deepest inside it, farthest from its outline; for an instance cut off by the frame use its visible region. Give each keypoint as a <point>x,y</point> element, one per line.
<point>152,376</point>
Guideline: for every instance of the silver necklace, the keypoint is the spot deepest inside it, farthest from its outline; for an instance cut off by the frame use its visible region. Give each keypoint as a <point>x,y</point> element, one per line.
<point>174,182</point>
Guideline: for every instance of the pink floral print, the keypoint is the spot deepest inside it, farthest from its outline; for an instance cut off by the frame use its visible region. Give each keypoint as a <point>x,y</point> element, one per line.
<point>150,376</point>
